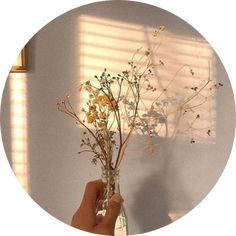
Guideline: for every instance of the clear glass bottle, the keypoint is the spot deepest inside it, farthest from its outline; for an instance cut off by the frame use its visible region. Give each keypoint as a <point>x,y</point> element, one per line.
<point>110,179</point>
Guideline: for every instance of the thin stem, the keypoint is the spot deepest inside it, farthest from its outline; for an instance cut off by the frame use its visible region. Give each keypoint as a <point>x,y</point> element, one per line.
<point>72,114</point>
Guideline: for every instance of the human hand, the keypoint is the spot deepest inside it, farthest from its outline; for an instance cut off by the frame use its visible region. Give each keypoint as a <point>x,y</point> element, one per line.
<point>85,217</point>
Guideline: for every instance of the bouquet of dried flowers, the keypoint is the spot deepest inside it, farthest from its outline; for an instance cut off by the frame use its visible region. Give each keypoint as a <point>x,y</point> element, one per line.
<point>115,107</point>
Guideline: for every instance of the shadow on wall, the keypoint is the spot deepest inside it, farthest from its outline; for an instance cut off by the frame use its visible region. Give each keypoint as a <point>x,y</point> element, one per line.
<point>158,187</point>
<point>151,212</point>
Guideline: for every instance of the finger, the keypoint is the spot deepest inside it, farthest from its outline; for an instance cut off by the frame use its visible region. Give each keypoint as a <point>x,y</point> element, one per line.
<point>112,212</point>
<point>92,191</point>
<point>88,205</point>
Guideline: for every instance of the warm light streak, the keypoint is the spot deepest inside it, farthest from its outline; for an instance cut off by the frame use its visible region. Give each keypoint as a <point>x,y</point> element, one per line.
<point>110,44</point>
<point>18,98</point>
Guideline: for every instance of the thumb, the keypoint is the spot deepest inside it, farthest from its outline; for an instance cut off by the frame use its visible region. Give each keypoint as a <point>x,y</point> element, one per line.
<point>112,211</point>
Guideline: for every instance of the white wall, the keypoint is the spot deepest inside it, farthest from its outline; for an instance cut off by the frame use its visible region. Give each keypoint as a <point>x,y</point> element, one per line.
<point>176,179</point>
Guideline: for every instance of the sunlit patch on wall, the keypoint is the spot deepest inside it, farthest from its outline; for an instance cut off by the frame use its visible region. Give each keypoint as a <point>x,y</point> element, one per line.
<point>18,100</point>
<point>110,44</point>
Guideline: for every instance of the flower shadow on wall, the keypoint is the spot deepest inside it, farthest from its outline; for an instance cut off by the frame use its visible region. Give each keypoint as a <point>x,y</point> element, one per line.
<point>186,65</point>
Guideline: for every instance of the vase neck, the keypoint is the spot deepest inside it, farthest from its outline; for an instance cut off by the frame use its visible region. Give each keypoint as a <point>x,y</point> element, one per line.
<point>110,179</point>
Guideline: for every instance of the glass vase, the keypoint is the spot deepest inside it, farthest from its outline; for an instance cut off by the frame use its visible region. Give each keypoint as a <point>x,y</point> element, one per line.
<point>110,180</point>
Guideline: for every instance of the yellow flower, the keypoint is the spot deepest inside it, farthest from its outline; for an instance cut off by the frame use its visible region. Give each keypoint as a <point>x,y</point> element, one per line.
<point>102,115</point>
<point>102,125</point>
<point>105,100</point>
<point>100,100</point>
<point>97,100</point>
<point>90,117</point>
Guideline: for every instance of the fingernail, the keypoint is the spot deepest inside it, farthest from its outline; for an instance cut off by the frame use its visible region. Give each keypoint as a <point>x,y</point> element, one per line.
<point>116,198</point>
